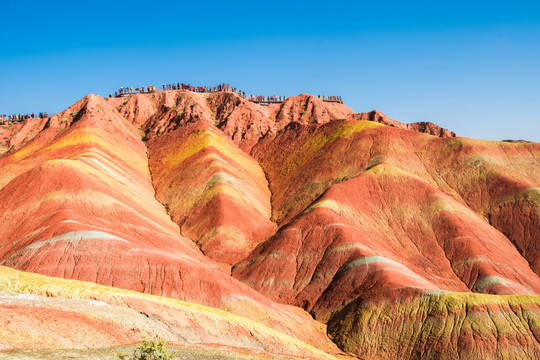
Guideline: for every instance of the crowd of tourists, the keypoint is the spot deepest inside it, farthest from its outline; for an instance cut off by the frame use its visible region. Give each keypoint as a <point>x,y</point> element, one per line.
<point>129,90</point>
<point>331,98</point>
<point>279,99</point>
<point>267,99</point>
<point>124,91</point>
<point>4,118</point>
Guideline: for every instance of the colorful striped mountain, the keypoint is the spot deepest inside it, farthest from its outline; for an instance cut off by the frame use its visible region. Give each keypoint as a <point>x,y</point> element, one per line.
<point>298,230</point>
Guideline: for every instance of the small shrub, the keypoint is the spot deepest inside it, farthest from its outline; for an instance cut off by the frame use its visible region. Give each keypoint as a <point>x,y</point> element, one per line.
<point>149,349</point>
<point>73,114</point>
<point>64,121</point>
<point>303,112</point>
<point>180,113</point>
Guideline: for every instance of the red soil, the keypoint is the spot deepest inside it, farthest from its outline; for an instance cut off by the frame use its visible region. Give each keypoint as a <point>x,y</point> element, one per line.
<point>312,206</point>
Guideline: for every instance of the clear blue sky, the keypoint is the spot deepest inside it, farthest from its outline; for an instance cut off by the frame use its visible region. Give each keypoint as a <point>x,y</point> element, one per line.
<point>470,66</point>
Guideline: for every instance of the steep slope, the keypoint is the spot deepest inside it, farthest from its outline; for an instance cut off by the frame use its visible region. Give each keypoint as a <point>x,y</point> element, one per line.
<point>78,203</point>
<point>371,209</point>
<point>439,325</point>
<point>216,193</point>
<point>243,121</point>
<point>407,241</point>
<point>86,195</point>
<point>14,135</point>
<point>498,180</point>
<point>301,162</point>
<point>366,233</point>
<point>305,108</point>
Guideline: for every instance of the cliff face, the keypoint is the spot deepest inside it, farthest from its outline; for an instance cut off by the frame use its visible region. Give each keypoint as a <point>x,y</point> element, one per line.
<point>267,212</point>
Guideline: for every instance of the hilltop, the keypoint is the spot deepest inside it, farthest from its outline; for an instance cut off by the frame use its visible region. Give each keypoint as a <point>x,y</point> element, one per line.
<point>298,229</point>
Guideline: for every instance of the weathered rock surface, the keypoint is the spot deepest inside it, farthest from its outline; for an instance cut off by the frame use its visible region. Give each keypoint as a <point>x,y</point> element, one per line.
<point>423,127</point>
<point>79,204</point>
<point>357,218</point>
<point>439,325</point>
<point>45,312</point>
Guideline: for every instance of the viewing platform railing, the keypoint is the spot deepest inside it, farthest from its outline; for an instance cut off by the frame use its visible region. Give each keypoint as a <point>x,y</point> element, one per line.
<point>259,99</point>
<point>269,102</point>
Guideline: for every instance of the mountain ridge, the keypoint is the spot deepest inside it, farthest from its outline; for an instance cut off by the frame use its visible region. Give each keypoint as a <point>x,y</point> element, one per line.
<point>280,213</point>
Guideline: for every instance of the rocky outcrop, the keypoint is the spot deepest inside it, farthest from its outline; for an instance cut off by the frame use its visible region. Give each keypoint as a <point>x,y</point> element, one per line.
<point>423,127</point>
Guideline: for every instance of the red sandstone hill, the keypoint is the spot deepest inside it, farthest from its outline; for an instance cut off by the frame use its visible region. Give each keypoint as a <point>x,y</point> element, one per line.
<point>291,217</point>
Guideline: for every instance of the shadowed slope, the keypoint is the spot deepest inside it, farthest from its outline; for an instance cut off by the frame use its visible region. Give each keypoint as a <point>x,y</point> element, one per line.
<point>301,162</point>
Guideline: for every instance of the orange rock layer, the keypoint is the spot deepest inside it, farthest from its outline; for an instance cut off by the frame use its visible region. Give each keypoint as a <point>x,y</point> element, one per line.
<point>214,200</point>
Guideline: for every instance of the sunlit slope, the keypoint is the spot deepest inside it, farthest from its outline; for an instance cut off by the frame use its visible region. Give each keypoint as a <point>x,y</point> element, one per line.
<point>498,180</point>
<point>437,325</point>
<point>79,203</point>
<point>84,208</point>
<point>371,209</point>
<point>301,162</point>
<point>368,233</point>
<point>406,244</point>
<point>216,193</point>
<point>46,312</point>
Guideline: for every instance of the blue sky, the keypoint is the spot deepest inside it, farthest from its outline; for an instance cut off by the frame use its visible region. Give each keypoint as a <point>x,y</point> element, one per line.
<point>470,66</point>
